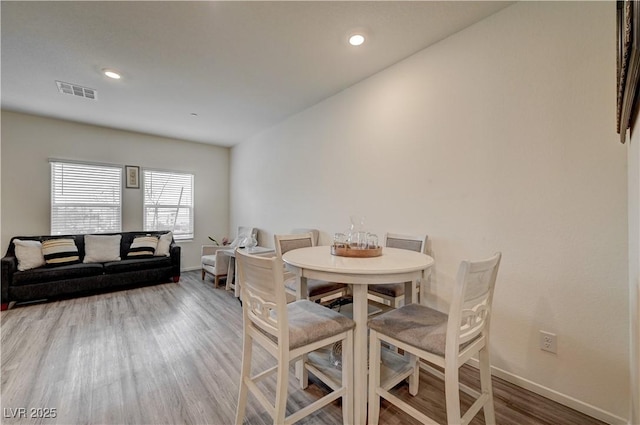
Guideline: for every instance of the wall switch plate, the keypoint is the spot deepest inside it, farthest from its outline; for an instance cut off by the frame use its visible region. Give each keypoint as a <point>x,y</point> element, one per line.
<point>549,342</point>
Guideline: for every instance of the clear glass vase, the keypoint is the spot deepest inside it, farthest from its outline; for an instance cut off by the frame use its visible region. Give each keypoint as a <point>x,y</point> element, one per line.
<point>357,236</point>
<point>250,242</point>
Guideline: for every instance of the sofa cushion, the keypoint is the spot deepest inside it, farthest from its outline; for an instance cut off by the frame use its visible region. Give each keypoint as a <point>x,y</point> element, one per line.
<point>132,265</point>
<point>52,274</point>
<point>29,254</point>
<point>143,246</point>
<point>164,245</point>
<point>101,248</point>
<point>60,252</point>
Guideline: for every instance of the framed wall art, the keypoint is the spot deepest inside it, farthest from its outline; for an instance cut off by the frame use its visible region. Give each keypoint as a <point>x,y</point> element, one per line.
<point>628,15</point>
<point>132,177</point>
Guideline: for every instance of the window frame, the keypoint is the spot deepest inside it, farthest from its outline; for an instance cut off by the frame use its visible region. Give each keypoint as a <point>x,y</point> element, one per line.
<point>55,227</point>
<point>178,207</point>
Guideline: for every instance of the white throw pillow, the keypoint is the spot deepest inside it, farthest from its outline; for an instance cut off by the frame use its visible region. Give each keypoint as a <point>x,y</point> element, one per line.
<point>101,248</point>
<point>164,243</point>
<point>143,247</point>
<point>29,254</point>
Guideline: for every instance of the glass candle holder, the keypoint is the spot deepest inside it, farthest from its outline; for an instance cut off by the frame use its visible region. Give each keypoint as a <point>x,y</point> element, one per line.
<point>372,240</point>
<point>340,240</point>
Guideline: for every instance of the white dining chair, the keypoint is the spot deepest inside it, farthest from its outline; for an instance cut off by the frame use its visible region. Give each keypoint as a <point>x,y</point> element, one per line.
<point>287,332</point>
<point>316,289</point>
<point>443,340</point>
<point>393,293</point>
<point>314,232</point>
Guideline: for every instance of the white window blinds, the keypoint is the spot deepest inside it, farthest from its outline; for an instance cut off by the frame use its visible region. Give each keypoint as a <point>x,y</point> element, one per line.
<point>168,202</point>
<point>85,198</point>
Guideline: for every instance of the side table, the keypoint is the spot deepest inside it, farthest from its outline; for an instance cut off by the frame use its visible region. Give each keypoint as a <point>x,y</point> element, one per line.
<point>231,271</point>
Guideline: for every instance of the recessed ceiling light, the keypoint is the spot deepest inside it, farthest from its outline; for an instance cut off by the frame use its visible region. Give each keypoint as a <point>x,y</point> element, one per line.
<point>111,74</point>
<point>356,39</point>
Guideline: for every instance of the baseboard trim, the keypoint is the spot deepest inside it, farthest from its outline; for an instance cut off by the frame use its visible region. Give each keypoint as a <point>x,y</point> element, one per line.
<point>190,269</point>
<point>575,404</point>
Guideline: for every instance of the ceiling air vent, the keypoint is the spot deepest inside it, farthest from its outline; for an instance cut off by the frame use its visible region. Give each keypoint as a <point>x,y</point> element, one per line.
<point>76,90</point>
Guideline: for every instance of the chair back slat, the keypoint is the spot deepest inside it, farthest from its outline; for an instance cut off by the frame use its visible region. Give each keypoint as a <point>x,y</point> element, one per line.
<point>416,243</point>
<point>314,232</point>
<point>262,291</point>
<point>473,295</point>
<point>262,313</point>
<point>472,322</point>
<point>286,243</point>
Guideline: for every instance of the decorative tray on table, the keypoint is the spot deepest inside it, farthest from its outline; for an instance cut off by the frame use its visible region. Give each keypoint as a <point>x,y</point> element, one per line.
<point>344,250</point>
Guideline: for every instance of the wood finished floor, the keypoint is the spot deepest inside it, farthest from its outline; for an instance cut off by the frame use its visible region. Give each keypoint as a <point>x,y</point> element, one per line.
<point>170,354</point>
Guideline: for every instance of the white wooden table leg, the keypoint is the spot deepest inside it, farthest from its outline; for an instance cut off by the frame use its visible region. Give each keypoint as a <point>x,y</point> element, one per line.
<point>301,288</point>
<point>231,269</point>
<point>360,354</point>
<point>426,295</point>
<point>301,293</point>
<point>236,285</point>
<point>410,296</point>
<point>410,293</point>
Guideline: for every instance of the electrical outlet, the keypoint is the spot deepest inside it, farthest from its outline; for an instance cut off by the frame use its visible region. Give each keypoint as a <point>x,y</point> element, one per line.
<point>549,342</point>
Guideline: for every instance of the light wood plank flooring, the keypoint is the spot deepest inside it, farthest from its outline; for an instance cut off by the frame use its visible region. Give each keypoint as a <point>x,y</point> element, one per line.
<point>170,354</point>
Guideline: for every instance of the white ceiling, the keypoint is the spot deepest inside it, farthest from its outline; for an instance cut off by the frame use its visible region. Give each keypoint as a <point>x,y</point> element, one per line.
<point>241,66</point>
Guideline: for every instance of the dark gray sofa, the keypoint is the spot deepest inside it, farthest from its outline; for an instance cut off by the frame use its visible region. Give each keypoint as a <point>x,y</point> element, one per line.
<point>49,282</point>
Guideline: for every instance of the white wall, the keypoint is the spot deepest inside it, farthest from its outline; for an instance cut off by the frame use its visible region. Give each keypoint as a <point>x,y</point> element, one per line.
<point>634,271</point>
<point>29,141</point>
<point>501,137</point>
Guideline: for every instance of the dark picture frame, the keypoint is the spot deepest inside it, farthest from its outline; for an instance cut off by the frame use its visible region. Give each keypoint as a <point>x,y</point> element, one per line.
<point>628,16</point>
<point>132,177</point>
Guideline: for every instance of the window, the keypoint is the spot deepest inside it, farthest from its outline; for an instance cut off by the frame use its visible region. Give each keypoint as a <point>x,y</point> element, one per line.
<point>168,202</point>
<point>85,198</point>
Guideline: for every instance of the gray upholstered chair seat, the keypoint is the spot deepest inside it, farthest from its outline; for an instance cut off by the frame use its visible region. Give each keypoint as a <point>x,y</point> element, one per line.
<point>314,287</point>
<point>209,260</point>
<point>415,324</point>
<point>389,289</point>
<point>310,322</point>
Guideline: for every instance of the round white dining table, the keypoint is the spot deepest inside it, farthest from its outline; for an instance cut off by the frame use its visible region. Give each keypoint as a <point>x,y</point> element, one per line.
<point>393,266</point>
